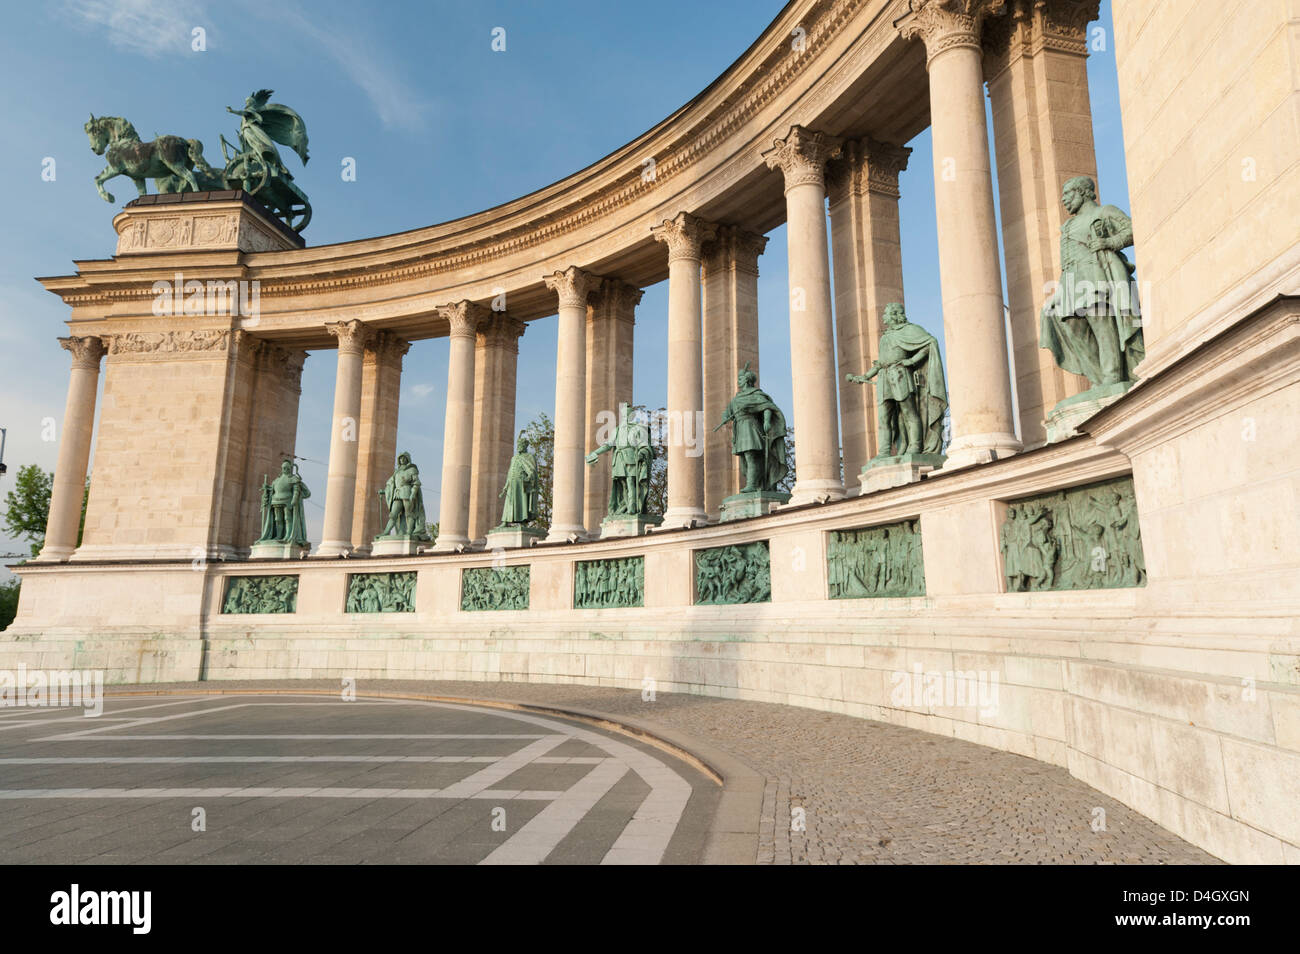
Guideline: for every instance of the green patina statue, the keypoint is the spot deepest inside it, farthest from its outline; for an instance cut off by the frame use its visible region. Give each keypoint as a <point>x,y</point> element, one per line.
<point>405,502</point>
<point>876,562</point>
<point>494,588</point>
<point>260,594</point>
<point>521,490</point>
<point>632,456</point>
<point>177,164</point>
<point>283,520</point>
<point>381,593</point>
<point>726,576</point>
<point>602,584</point>
<point>911,395</point>
<point>1092,323</point>
<point>757,434</point>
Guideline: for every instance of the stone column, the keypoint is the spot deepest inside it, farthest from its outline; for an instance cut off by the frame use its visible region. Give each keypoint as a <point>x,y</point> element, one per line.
<point>684,236</point>
<point>611,321</point>
<point>496,361</point>
<point>975,339</point>
<point>1037,71</point>
<point>571,286</point>
<point>381,385</point>
<point>463,318</point>
<point>730,278</point>
<point>801,156</point>
<point>341,483</point>
<point>866,250</point>
<point>74,450</point>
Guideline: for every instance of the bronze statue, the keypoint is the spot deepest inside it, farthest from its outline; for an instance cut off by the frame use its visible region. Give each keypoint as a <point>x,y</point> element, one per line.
<point>521,490</point>
<point>283,520</point>
<point>405,502</point>
<point>632,457</point>
<point>757,434</point>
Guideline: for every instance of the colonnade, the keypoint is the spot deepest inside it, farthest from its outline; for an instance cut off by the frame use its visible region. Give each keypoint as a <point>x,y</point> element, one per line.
<point>712,309</point>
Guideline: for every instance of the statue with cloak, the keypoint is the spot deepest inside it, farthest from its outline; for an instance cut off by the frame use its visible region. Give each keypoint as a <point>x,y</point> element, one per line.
<point>631,459</point>
<point>911,394</point>
<point>757,435</point>
<point>521,490</point>
<point>283,520</point>
<point>404,498</point>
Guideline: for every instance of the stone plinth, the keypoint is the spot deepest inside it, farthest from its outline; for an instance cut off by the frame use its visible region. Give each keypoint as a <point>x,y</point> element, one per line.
<point>513,537</point>
<point>277,551</point>
<point>1063,421</point>
<point>201,221</point>
<point>628,526</point>
<point>395,545</point>
<point>756,503</point>
<point>881,473</point>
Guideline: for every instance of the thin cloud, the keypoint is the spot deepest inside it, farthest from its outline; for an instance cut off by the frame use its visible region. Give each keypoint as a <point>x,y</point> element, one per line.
<point>421,390</point>
<point>152,28</point>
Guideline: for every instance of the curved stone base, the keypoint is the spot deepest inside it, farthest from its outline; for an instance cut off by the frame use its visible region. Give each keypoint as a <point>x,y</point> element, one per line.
<point>981,449</point>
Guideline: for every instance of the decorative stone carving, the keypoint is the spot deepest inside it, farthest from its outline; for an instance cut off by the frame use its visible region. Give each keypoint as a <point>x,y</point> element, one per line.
<point>734,574</point>
<point>866,165</point>
<point>876,562</point>
<point>353,336</point>
<point>168,342</point>
<point>463,317</point>
<point>616,298</point>
<point>86,351</point>
<point>801,156</point>
<point>734,248</point>
<point>572,285</point>
<point>1085,538</point>
<point>499,330</point>
<point>943,25</point>
<point>1031,26</point>
<point>260,594</point>
<point>494,588</point>
<point>381,593</point>
<point>602,584</point>
<point>684,234</point>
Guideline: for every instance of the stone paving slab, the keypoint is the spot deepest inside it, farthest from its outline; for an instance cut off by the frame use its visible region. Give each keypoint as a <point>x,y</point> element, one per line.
<point>870,792</point>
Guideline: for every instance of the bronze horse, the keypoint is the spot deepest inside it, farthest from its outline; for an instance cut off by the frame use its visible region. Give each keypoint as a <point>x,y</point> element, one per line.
<point>174,163</point>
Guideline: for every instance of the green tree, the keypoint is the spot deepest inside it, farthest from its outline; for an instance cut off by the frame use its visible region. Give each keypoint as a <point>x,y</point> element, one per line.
<point>27,506</point>
<point>8,602</point>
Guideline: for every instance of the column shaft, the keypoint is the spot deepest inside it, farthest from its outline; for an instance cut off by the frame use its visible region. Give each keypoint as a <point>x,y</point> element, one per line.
<point>866,250</point>
<point>458,432</point>
<point>801,157</point>
<point>979,382</point>
<point>611,319</point>
<point>74,450</point>
<point>341,482</point>
<point>571,285</point>
<point>495,366</point>
<point>381,385</point>
<point>684,236</point>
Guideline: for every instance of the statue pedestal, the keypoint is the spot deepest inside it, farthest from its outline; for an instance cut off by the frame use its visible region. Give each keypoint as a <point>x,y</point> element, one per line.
<point>513,537</point>
<point>628,526</point>
<point>885,472</point>
<point>757,503</point>
<point>1063,420</point>
<point>201,221</point>
<point>275,550</point>
<point>394,545</point>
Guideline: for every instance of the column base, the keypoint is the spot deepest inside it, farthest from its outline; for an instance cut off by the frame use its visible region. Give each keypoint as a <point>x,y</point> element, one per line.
<point>395,545</point>
<point>275,550</point>
<point>815,491</point>
<point>1063,420</point>
<point>683,518</point>
<point>980,449</point>
<point>333,548</point>
<point>628,526</point>
<point>570,534</point>
<point>54,555</point>
<point>450,543</point>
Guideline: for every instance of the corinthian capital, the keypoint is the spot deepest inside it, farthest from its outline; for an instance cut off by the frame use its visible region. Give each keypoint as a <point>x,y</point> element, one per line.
<point>684,234</point>
<point>86,351</point>
<point>801,156</point>
<point>866,165</point>
<point>572,285</point>
<point>736,248</point>
<point>500,330</point>
<point>353,335</point>
<point>944,25</point>
<point>463,317</point>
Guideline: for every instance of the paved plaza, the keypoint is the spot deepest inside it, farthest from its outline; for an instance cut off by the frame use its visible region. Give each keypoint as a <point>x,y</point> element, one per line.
<point>548,774</point>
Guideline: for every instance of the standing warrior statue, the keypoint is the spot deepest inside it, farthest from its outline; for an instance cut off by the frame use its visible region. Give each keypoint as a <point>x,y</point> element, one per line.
<point>283,520</point>
<point>911,395</point>
<point>757,434</point>
<point>405,501</point>
<point>1092,324</point>
<point>521,489</point>
<point>632,458</point>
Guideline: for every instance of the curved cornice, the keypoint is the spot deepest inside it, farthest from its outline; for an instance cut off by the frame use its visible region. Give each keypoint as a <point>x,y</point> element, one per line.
<point>854,76</point>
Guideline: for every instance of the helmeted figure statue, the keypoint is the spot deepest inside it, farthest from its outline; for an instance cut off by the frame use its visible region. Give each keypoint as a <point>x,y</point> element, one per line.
<point>404,499</point>
<point>1092,323</point>
<point>757,434</point>
<point>521,489</point>
<point>283,520</point>
<point>632,456</point>
<point>911,395</point>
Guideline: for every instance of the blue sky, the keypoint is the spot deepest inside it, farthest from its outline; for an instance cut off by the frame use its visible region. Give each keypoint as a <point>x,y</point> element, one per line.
<point>440,126</point>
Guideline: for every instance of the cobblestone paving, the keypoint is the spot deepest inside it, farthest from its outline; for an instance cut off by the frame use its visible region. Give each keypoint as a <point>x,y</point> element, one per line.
<point>870,792</point>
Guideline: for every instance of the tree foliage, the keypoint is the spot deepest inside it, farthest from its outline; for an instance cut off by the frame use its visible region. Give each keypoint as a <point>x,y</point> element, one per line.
<point>27,506</point>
